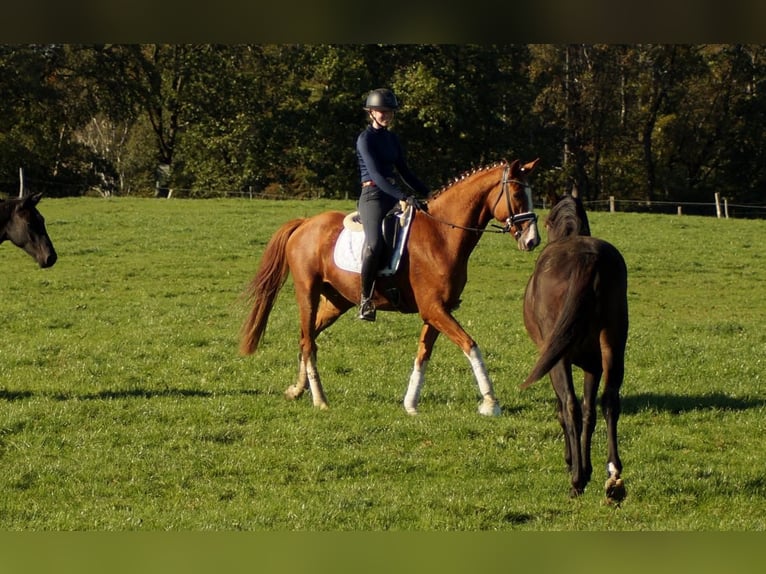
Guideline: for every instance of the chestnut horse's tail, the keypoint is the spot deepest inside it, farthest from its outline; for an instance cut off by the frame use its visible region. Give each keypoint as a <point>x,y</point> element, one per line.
<point>264,288</point>
<point>570,324</point>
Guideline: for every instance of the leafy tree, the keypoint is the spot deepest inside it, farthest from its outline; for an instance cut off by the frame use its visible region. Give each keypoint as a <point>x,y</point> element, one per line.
<point>646,121</point>
<point>36,123</point>
<point>464,106</point>
<point>741,149</point>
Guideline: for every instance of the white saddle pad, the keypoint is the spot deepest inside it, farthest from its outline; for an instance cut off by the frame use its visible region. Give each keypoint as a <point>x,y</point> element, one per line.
<point>348,247</point>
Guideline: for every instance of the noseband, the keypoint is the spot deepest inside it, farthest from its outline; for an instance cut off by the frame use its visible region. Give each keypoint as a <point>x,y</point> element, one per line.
<point>514,219</point>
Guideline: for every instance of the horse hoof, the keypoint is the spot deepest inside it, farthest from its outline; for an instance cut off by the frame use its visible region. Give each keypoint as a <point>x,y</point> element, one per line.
<point>411,411</point>
<point>292,392</point>
<point>490,409</point>
<point>615,490</point>
<point>575,492</point>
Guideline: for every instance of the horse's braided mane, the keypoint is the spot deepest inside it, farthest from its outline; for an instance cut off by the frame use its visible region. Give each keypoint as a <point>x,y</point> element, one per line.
<point>463,176</point>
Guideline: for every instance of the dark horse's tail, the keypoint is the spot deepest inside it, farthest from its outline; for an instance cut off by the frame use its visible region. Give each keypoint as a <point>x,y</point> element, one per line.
<point>264,288</point>
<point>570,324</point>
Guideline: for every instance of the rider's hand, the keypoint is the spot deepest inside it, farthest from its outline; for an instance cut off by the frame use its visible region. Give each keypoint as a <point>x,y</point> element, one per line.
<point>416,203</point>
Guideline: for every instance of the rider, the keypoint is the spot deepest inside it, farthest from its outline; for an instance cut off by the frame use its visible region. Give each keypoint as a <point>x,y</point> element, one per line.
<point>379,152</point>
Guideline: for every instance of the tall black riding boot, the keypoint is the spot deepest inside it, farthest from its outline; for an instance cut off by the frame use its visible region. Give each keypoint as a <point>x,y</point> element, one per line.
<point>368,272</point>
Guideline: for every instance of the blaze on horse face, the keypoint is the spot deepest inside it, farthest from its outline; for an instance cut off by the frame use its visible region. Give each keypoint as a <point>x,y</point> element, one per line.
<point>522,219</point>
<point>25,228</point>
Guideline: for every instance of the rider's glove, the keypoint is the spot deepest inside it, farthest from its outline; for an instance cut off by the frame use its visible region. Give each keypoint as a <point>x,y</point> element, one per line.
<point>416,203</point>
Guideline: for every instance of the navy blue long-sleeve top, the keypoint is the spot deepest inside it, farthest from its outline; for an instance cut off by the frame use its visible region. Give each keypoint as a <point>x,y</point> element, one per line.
<point>379,153</point>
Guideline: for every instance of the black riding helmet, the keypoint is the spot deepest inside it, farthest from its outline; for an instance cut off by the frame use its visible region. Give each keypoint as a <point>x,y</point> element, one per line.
<point>381,99</point>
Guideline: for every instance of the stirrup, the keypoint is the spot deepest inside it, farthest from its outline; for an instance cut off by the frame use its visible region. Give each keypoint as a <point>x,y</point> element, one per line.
<point>367,310</point>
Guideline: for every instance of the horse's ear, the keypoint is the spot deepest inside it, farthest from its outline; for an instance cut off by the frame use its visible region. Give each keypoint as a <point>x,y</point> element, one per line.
<point>574,193</point>
<point>529,167</point>
<point>32,200</point>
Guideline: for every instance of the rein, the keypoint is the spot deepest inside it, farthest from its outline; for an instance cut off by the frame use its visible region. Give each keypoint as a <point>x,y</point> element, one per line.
<point>509,223</point>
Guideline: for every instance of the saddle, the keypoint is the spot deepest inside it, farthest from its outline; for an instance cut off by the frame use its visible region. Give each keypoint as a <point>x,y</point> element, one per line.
<point>396,228</point>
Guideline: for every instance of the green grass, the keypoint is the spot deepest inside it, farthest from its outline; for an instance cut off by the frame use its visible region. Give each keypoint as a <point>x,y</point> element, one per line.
<point>125,406</point>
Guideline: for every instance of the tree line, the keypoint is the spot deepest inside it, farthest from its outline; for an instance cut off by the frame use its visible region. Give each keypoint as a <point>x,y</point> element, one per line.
<point>649,122</point>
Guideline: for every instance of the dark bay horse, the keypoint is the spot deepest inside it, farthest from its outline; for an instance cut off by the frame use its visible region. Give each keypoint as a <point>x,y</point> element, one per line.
<point>576,312</point>
<point>429,281</point>
<point>23,225</point>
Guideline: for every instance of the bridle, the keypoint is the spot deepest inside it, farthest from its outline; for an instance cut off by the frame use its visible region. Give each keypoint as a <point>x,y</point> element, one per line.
<point>514,220</point>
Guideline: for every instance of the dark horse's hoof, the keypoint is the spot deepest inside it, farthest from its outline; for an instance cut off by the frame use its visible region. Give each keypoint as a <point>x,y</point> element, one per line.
<point>574,492</point>
<point>615,490</point>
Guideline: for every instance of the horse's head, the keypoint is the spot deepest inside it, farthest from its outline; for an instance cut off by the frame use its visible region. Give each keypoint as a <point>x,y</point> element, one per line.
<point>567,216</point>
<point>25,228</point>
<point>514,204</point>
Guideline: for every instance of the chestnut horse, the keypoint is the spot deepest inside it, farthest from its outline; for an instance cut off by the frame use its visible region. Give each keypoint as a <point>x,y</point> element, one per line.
<point>430,278</point>
<point>24,226</point>
<point>576,311</point>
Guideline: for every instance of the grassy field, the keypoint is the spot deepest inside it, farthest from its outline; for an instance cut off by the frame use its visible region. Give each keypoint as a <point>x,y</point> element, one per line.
<point>125,406</point>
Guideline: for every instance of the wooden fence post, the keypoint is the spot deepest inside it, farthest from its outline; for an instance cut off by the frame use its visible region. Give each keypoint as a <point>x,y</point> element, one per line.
<point>718,204</point>
<point>611,204</point>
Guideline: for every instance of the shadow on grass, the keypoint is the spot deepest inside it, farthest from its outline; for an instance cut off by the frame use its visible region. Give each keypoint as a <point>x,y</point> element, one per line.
<point>631,404</point>
<point>11,396</point>
<point>676,404</point>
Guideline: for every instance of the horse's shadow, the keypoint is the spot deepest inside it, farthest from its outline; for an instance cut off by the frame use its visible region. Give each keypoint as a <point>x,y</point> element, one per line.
<point>139,393</point>
<point>677,404</point>
<point>631,404</point>
<point>11,396</point>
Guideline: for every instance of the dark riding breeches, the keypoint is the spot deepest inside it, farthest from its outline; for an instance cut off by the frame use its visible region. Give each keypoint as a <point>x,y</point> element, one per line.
<point>373,206</point>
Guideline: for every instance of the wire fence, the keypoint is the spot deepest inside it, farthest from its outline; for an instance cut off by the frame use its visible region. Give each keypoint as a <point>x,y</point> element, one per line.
<point>720,208</point>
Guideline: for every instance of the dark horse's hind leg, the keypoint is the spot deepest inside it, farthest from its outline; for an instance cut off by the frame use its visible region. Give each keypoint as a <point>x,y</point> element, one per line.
<point>563,423</point>
<point>590,392</point>
<point>570,418</point>
<point>610,406</point>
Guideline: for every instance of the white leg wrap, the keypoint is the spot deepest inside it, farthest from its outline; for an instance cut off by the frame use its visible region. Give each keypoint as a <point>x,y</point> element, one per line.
<point>489,405</point>
<point>417,378</point>
<point>296,390</point>
<point>480,371</point>
<point>317,394</point>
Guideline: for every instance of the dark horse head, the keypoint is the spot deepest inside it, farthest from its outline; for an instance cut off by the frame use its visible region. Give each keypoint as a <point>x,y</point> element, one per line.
<point>24,226</point>
<point>567,217</point>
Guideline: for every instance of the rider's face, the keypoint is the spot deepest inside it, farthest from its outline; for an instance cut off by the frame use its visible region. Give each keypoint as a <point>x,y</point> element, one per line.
<point>382,117</point>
